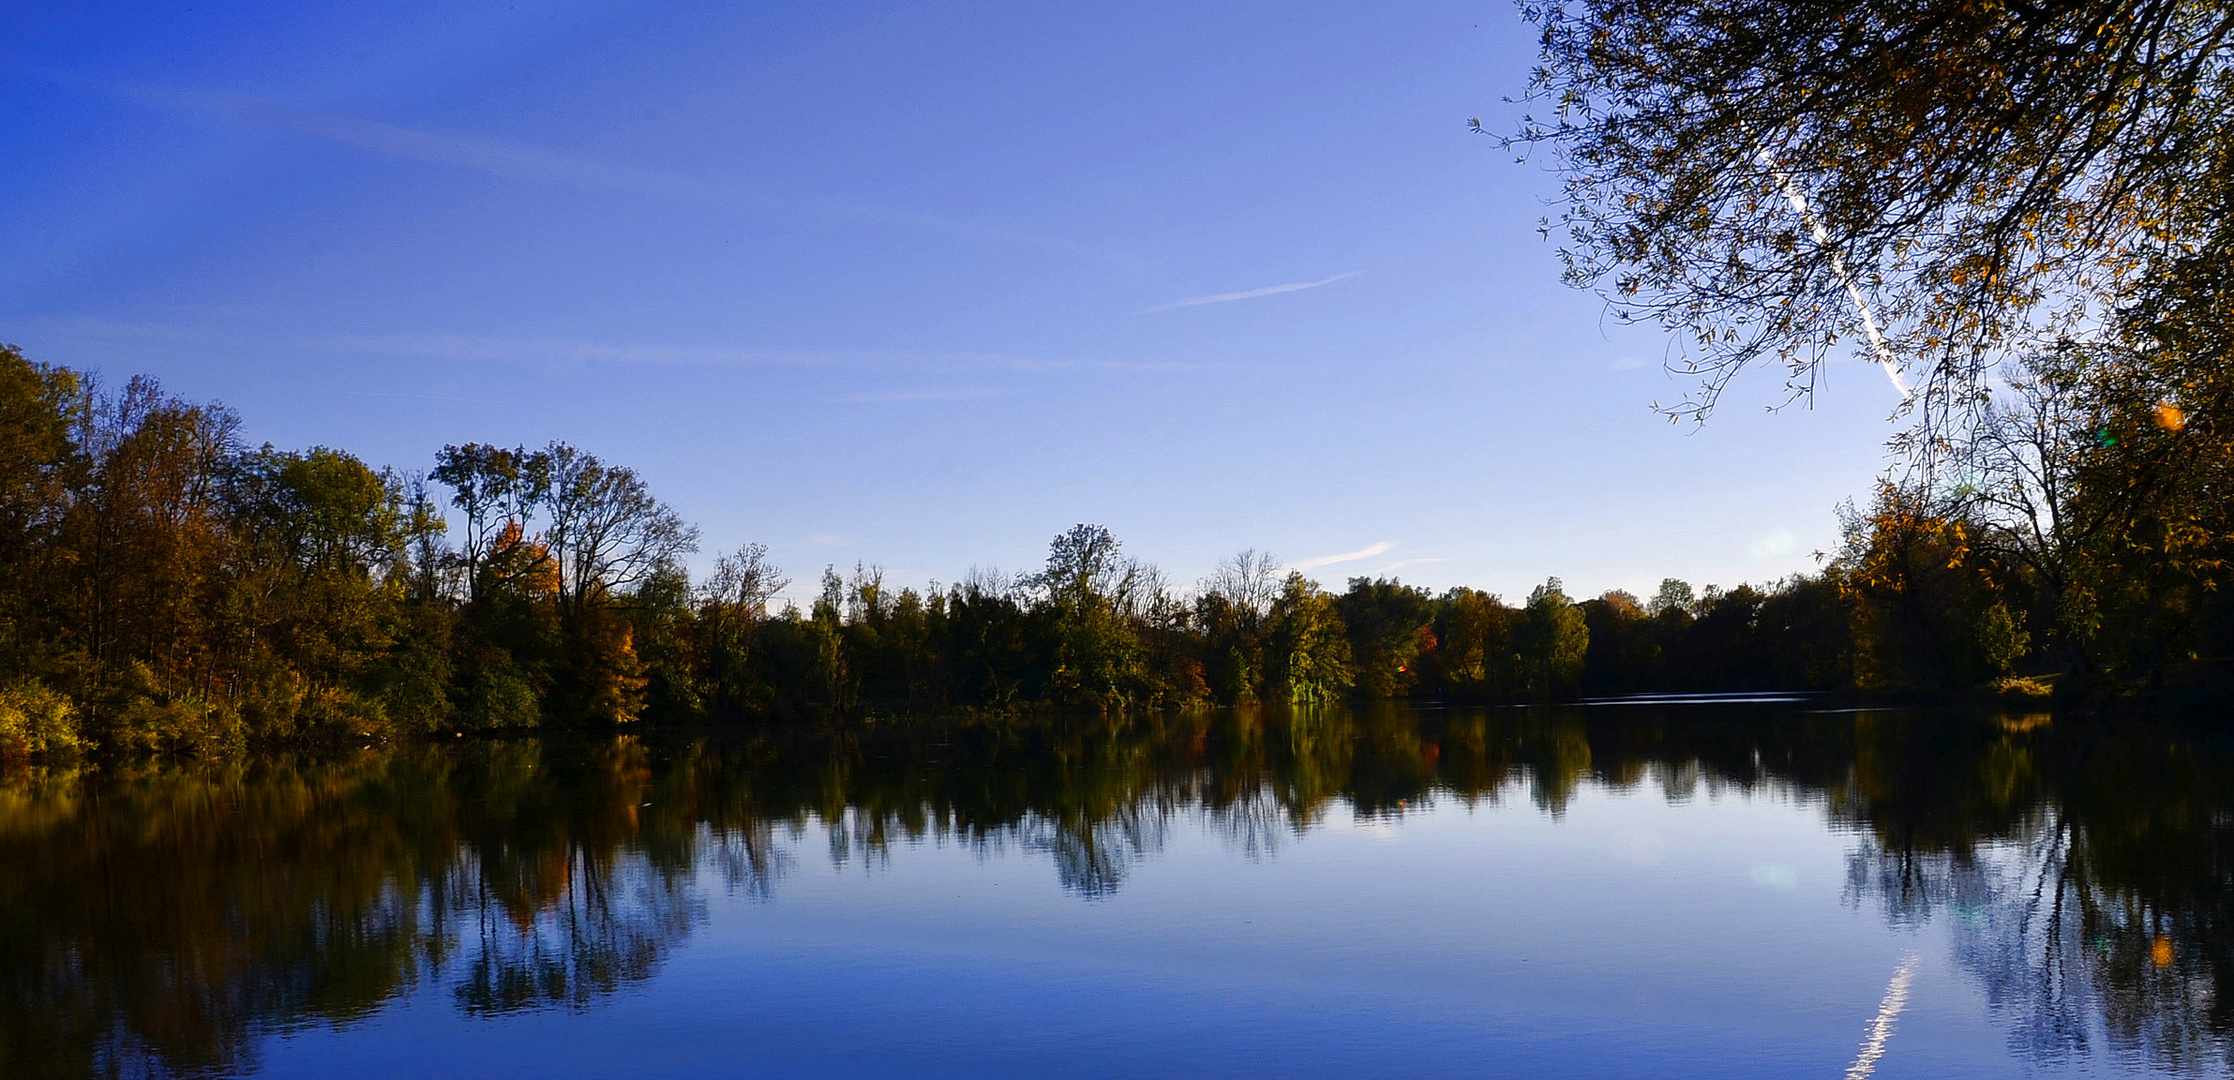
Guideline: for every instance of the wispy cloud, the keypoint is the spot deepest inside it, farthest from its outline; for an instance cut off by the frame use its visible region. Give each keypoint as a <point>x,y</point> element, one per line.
<point>1251,294</point>
<point>1366,552</point>
<point>542,350</point>
<point>508,160</point>
<point>901,396</point>
<point>1172,366</point>
<point>535,164</point>
<point>497,349</point>
<point>410,397</point>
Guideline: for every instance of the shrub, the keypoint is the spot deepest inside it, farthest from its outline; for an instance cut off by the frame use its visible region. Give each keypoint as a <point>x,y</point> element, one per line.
<point>36,720</point>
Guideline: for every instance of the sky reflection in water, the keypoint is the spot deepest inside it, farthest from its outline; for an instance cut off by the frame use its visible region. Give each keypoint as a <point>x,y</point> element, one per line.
<point>1706,890</point>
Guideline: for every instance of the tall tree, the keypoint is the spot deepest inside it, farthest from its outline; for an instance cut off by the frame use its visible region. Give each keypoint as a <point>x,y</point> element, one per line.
<point>1310,651</point>
<point>1231,609</point>
<point>1553,640</point>
<point>41,409</point>
<point>1093,595</point>
<point>148,537</point>
<point>488,485</point>
<point>1389,624</point>
<point>606,531</point>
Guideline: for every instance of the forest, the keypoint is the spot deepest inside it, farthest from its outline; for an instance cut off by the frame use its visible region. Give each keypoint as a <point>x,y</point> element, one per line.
<point>166,587</point>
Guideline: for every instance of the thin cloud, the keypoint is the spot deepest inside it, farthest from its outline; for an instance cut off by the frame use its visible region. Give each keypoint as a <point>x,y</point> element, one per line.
<point>510,161</point>
<point>902,396</point>
<point>483,348</point>
<point>1251,294</point>
<point>502,349</point>
<point>534,164</point>
<point>518,161</point>
<point>99,328</point>
<point>490,349</point>
<point>563,353</point>
<point>1366,552</point>
<point>411,397</point>
<point>1028,364</point>
<point>507,160</point>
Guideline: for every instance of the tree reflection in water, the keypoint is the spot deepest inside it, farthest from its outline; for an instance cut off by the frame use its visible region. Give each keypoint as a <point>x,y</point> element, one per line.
<point>157,919</point>
<point>2087,886</point>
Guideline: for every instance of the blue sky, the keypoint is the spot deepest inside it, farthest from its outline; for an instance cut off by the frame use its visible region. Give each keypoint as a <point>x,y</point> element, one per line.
<point>912,284</point>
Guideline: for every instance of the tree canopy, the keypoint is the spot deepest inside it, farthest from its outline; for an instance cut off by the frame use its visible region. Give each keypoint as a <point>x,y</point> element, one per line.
<point>1959,180</point>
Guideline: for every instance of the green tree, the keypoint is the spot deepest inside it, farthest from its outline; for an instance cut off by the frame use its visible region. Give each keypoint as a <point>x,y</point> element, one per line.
<point>1475,637</point>
<point>732,610</point>
<point>492,487</point>
<point>605,530</point>
<point>1093,596</point>
<point>1231,610</point>
<point>1624,653</point>
<point>147,542</point>
<point>1309,645</point>
<point>1553,639</point>
<point>1389,624</point>
<point>323,536</point>
<point>1921,588</point>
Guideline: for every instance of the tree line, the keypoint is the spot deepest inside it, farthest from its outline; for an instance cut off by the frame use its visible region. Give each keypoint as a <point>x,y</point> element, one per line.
<point>165,586</point>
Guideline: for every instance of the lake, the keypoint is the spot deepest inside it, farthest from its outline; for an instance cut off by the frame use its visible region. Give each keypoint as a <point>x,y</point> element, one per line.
<point>1747,887</point>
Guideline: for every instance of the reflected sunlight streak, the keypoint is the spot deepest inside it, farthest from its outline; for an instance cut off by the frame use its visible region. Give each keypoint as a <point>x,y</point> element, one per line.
<point>1881,1028</point>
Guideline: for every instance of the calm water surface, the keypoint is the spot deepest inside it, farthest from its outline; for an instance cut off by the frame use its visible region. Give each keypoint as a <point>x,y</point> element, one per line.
<point>1671,889</point>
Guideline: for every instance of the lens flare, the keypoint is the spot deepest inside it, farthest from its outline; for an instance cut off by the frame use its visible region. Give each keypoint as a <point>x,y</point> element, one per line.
<point>2170,417</point>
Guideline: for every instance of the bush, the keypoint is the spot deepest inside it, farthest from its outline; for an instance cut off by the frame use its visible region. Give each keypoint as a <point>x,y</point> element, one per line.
<point>499,697</point>
<point>2000,641</point>
<point>182,723</point>
<point>330,711</point>
<point>36,720</point>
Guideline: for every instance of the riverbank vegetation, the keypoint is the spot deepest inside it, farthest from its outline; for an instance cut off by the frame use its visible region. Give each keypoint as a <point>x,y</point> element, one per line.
<point>164,586</point>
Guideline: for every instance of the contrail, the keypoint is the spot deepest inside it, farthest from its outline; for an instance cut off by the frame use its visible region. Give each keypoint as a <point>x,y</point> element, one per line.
<point>1881,1028</point>
<point>1269,290</point>
<point>1822,235</point>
